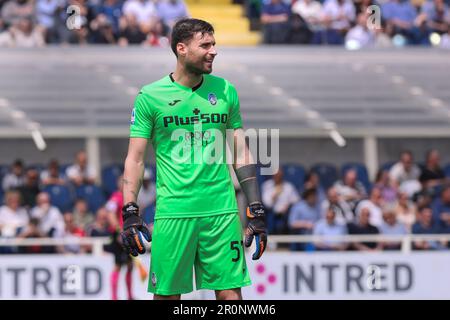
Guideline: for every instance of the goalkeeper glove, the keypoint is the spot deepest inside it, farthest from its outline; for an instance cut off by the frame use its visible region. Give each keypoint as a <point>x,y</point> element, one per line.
<point>133,230</point>
<point>256,227</point>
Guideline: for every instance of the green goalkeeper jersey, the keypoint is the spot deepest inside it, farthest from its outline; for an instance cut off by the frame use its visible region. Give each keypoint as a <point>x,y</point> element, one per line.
<point>187,128</point>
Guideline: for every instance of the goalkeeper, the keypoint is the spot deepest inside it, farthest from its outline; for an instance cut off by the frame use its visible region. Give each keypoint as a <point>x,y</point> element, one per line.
<point>196,222</point>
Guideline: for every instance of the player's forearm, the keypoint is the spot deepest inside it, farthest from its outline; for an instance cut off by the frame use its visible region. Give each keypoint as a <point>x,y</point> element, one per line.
<point>132,179</point>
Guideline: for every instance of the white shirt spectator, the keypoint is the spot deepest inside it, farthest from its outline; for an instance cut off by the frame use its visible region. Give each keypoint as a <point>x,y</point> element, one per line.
<point>334,10</point>
<point>11,181</point>
<point>144,11</point>
<point>75,171</point>
<point>360,35</point>
<point>11,221</point>
<point>310,11</point>
<point>398,173</point>
<point>343,211</point>
<point>287,197</point>
<point>49,218</point>
<point>376,213</point>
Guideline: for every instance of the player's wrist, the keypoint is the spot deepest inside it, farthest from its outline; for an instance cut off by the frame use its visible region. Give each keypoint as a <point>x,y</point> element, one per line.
<point>130,213</point>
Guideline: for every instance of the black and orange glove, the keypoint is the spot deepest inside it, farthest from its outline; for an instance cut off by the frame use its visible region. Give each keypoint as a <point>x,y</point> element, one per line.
<point>134,228</point>
<point>256,228</point>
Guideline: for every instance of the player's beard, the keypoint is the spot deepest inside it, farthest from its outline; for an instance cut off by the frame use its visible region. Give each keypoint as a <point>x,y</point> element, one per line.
<point>197,68</point>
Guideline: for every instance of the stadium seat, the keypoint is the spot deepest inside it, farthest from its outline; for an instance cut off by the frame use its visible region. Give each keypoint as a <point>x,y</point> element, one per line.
<point>93,195</point>
<point>149,214</point>
<point>361,171</point>
<point>109,178</point>
<point>295,174</point>
<point>60,196</point>
<point>387,165</point>
<point>447,170</point>
<point>260,177</point>
<point>328,174</point>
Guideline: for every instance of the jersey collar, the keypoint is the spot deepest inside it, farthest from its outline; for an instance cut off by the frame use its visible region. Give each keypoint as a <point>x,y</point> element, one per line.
<point>193,89</point>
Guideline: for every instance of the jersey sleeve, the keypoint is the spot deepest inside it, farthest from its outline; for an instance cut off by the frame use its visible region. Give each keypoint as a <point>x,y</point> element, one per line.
<point>141,124</point>
<point>234,119</point>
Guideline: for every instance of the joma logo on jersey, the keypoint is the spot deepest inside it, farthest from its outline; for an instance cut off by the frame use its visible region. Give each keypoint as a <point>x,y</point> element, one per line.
<point>203,118</point>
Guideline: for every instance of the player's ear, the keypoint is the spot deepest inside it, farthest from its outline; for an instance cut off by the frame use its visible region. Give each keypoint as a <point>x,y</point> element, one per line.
<point>181,49</point>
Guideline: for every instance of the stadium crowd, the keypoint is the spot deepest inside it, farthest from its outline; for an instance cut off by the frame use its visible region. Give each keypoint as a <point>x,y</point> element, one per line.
<point>353,22</point>
<point>406,198</point>
<point>34,23</point>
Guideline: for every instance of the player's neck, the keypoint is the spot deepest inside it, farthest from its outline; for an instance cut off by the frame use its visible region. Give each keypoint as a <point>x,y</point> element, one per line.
<point>185,78</point>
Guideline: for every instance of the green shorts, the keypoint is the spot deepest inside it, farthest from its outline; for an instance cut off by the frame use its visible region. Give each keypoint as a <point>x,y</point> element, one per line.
<point>212,246</point>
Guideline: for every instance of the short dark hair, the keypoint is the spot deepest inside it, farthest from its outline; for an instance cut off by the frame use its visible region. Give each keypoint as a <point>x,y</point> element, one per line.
<point>185,29</point>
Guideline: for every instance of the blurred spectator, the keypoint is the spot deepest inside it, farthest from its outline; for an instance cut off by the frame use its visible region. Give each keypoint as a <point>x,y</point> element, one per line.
<point>350,189</point>
<point>391,226</point>
<point>144,11</point>
<point>401,15</point>
<point>82,217</point>
<point>102,31</point>
<point>71,231</point>
<point>16,10</point>
<point>437,15</point>
<point>80,172</point>
<point>52,176</point>
<point>147,193</point>
<point>155,37</point>
<point>310,11</point>
<point>29,232</point>
<point>15,178</point>
<point>253,10</point>
<point>375,204</point>
<point>405,174</point>
<point>46,11</point>
<point>441,208</point>
<point>432,175</point>
<point>363,227</point>
<point>343,212</point>
<point>329,227</point>
<point>22,34</point>
<point>13,217</point>
<point>312,181</point>
<point>111,10</point>
<point>426,225</point>
<point>384,183</point>
<point>115,203</point>
<point>51,222</point>
<point>275,21</point>
<point>130,33</point>
<point>405,211</point>
<point>445,40</point>
<point>170,11</point>
<point>305,213</point>
<point>361,6</point>
<point>102,224</point>
<point>298,33</point>
<point>338,15</point>
<point>360,36</point>
<point>278,196</point>
<point>30,189</point>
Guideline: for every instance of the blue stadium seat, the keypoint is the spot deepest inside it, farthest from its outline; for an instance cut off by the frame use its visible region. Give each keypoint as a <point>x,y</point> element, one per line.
<point>361,171</point>
<point>93,195</point>
<point>260,177</point>
<point>447,170</point>
<point>149,214</point>
<point>60,196</point>
<point>387,165</point>
<point>295,174</point>
<point>328,174</point>
<point>109,177</point>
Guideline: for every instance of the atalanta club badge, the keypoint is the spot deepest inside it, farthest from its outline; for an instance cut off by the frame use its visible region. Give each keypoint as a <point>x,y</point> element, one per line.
<point>212,99</point>
<point>133,115</point>
<point>153,279</point>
